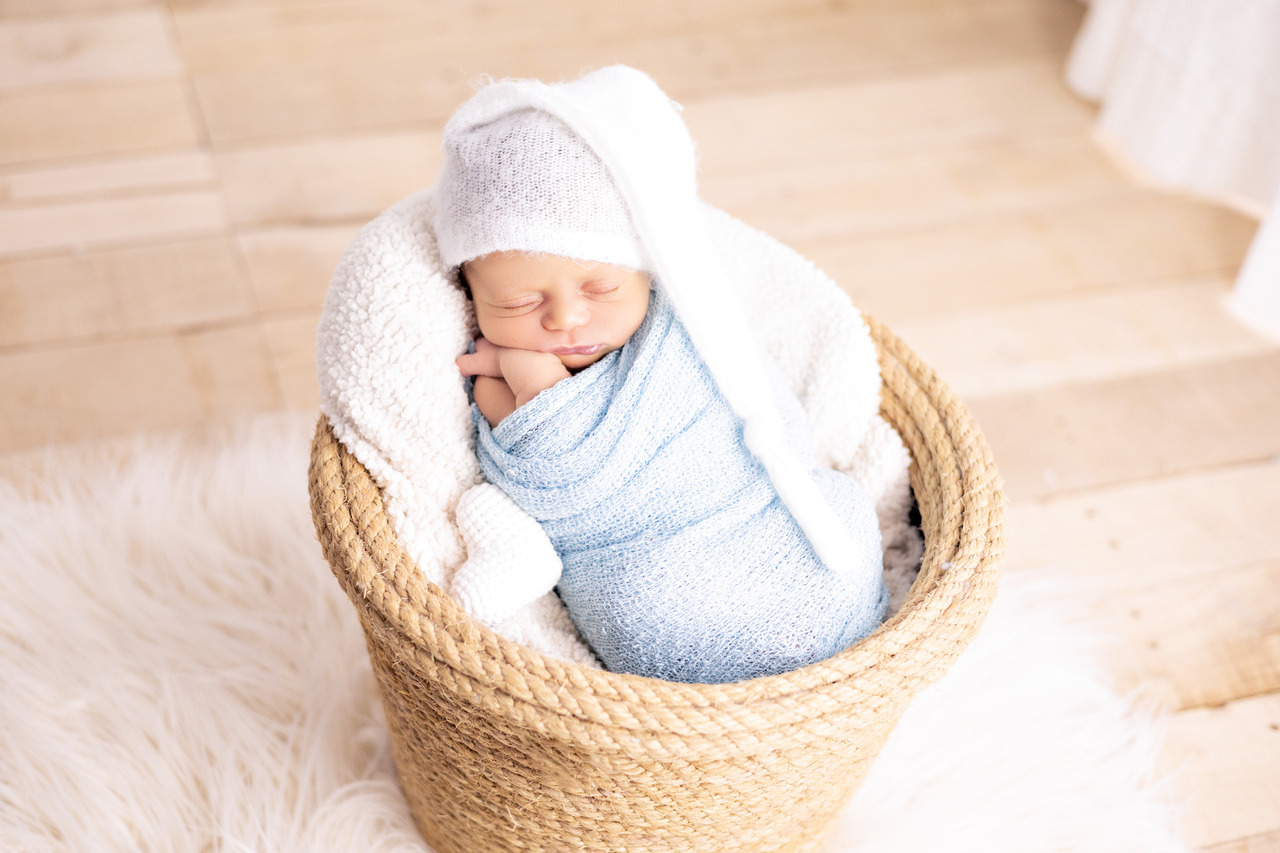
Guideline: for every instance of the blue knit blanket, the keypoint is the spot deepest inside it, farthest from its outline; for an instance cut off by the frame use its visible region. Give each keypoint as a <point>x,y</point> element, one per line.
<point>680,561</point>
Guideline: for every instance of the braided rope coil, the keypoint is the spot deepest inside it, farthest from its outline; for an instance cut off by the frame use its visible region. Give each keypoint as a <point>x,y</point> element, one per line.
<point>500,748</point>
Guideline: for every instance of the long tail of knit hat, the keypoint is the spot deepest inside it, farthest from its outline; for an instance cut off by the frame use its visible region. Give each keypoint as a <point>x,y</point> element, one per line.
<point>636,132</point>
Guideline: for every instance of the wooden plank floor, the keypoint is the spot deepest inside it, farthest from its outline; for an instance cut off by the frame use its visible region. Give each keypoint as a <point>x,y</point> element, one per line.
<point>177,181</point>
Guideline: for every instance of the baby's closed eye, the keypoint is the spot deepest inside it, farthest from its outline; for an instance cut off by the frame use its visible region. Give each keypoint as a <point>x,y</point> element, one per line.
<point>602,289</point>
<point>518,306</point>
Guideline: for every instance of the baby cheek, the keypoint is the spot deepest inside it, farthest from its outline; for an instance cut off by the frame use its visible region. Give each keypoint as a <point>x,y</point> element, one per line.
<point>503,331</point>
<point>634,321</point>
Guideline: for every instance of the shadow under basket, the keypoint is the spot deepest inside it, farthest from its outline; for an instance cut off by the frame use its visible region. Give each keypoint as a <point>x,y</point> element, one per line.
<point>500,748</point>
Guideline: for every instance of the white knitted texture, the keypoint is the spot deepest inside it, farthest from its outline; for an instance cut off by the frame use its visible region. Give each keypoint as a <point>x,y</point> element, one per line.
<point>510,561</point>
<point>526,182</point>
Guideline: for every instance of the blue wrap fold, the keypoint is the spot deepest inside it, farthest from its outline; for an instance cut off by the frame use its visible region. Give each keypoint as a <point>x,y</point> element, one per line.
<point>680,561</point>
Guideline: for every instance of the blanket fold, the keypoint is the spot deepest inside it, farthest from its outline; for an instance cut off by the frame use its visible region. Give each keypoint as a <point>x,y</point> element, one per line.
<point>680,561</point>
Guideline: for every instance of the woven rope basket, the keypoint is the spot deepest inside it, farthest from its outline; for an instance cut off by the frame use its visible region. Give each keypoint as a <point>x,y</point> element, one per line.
<point>500,748</point>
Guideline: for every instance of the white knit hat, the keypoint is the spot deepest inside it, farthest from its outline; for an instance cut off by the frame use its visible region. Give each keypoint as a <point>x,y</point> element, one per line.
<point>526,182</point>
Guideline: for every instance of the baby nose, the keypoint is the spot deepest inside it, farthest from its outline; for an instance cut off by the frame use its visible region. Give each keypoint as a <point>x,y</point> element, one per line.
<point>566,315</point>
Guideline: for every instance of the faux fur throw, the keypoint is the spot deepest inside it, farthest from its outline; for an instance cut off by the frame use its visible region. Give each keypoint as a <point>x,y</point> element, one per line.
<point>680,561</point>
<point>393,323</point>
<point>180,672</point>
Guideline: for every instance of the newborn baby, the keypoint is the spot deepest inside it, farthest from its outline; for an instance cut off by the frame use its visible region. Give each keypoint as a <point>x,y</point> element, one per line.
<point>598,415</point>
<point>544,317</point>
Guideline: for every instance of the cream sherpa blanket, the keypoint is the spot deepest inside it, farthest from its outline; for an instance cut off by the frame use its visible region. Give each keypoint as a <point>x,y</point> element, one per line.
<point>393,323</point>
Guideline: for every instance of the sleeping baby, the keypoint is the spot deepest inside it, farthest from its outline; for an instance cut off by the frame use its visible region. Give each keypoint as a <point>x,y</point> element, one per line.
<point>619,402</point>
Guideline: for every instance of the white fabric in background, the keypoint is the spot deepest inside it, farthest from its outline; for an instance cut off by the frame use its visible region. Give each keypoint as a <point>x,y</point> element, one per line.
<point>1256,300</point>
<point>1190,93</point>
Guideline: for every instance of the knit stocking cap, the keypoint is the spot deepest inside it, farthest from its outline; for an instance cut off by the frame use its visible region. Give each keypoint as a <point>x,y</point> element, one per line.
<point>526,182</point>
<point>624,119</point>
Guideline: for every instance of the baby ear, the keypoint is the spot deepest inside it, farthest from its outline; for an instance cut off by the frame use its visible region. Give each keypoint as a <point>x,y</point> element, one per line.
<point>460,274</point>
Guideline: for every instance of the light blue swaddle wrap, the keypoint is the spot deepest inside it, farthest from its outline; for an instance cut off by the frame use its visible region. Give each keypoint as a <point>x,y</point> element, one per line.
<point>680,561</point>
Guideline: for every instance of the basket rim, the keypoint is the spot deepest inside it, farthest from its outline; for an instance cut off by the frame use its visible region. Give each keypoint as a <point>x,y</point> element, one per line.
<point>957,573</point>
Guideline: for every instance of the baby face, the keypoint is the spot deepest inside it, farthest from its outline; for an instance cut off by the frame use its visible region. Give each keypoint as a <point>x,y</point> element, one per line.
<point>577,310</point>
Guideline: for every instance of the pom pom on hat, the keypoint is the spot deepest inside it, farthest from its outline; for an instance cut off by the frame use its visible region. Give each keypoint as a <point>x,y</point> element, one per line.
<point>526,182</point>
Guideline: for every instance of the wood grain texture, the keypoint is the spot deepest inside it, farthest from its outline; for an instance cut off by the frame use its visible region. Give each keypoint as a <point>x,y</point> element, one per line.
<point>1118,539</point>
<point>43,8</point>
<point>1035,253</point>
<point>102,222</point>
<point>951,108</point>
<point>1181,570</point>
<point>806,203</point>
<point>44,124</point>
<point>1076,437</point>
<point>111,176</point>
<point>115,292</point>
<point>290,266</point>
<point>72,393</point>
<point>361,73</point>
<point>126,45</point>
<point>1267,842</point>
<point>1101,335</point>
<point>1231,753</point>
<point>1198,641</point>
<point>319,181</point>
<point>291,340</point>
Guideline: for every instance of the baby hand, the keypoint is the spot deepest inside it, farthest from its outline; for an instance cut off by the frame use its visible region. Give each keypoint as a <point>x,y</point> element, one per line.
<point>485,361</point>
<point>507,378</point>
<point>529,372</point>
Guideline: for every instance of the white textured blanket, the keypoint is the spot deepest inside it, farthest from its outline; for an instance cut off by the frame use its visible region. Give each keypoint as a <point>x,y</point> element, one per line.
<point>393,323</point>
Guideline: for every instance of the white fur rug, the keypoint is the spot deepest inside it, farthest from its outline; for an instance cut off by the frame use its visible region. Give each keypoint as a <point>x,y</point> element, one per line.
<point>179,671</point>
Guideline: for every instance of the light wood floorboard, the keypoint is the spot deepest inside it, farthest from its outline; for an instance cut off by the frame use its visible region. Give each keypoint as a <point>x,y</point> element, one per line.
<point>1067,438</point>
<point>1267,842</point>
<point>44,124</point>
<point>1034,254</point>
<point>130,45</point>
<point>1232,752</point>
<point>1082,339</point>
<point>115,292</point>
